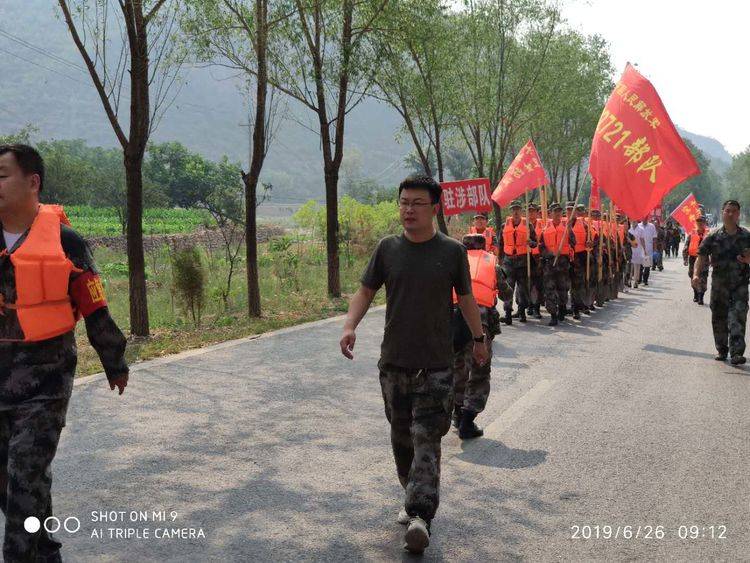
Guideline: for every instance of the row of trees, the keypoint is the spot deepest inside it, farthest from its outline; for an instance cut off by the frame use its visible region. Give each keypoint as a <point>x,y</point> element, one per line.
<point>477,79</point>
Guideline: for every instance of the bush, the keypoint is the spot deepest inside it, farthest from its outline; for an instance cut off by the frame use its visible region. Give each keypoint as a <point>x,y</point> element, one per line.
<point>359,223</point>
<point>189,280</point>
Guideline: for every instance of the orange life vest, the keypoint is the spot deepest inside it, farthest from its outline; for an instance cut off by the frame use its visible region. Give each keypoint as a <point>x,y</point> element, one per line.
<point>42,273</point>
<point>489,237</point>
<point>695,241</point>
<point>552,236</point>
<point>483,278</point>
<point>515,238</point>
<point>621,234</point>
<point>579,230</point>
<point>538,230</point>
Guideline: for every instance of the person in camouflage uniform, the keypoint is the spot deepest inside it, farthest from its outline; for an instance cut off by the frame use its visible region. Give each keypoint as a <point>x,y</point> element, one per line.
<point>36,378</point>
<point>471,380</point>
<point>516,267</point>
<point>420,268</point>
<point>536,296</point>
<point>728,249</point>
<point>556,274</point>
<point>578,276</point>
<point>700,233</point>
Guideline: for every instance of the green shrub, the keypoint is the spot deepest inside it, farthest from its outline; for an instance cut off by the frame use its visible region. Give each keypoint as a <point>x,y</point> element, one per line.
<point>189,280</point>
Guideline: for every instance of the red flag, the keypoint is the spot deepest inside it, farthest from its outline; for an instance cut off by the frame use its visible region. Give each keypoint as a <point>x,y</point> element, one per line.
<point>466,195</point>
<point>595,199</point>
<point>637,156</point>
<point>525,173</point>
<point>686,213</point>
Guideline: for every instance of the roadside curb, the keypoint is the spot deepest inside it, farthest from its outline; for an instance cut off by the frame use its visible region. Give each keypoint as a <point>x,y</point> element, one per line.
<point>141,366</point>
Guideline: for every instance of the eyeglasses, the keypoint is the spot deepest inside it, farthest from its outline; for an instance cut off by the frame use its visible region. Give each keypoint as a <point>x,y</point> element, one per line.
<point>403,204</point>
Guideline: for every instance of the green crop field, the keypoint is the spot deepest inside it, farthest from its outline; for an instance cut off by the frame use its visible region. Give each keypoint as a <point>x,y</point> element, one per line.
<point>103,221</point>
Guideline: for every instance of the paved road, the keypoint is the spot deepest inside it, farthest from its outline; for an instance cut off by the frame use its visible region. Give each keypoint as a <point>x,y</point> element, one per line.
<point>277,447</point>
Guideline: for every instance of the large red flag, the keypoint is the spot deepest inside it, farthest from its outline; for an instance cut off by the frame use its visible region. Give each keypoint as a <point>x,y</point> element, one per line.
<point>637,156</point>
<point>595,199</point>
<point>525,173</point>
<point>686,213</point>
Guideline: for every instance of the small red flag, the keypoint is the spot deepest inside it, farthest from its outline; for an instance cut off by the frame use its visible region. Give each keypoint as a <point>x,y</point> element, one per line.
<point>525,173</point>
<point>637,156</point>
<point>686,213</point>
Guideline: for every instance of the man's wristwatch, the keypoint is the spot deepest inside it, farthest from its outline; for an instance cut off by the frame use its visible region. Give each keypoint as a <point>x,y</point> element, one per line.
<point>479,339</point>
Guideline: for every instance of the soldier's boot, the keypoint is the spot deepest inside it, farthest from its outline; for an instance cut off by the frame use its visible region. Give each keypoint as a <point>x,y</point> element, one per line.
<point>722,355</point>
<point>538,312</point>
<point>457,412</point>
<point>417,536</point>
<point>468,428</point>
<point>522,315</point>
<point>553,319</point>
<point>700,297</point>
<point>737,360</point>
<point>576,314</point>
<point>508,320</point>
<point>695,295</point>
<point>561,315</point>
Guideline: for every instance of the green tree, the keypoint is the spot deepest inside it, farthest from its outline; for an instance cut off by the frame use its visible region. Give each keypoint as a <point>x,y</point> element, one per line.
<point>737,180</point>
<point>145,61</point>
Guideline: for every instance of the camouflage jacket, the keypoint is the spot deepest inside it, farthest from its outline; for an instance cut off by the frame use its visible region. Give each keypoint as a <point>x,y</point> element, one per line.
<point>45,370</point>
<point>723,249</point>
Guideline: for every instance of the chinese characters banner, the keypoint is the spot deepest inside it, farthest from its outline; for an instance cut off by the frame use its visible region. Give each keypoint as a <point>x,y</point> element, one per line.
<point>525,173</point>
<point>686,213</point>
<point>637,156</point>
<point>466,195</point>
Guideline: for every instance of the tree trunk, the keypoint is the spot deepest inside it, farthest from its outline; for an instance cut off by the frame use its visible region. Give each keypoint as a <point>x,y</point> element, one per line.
<point>139,325</point>
<point>256,164</point>
<point>332,231</point>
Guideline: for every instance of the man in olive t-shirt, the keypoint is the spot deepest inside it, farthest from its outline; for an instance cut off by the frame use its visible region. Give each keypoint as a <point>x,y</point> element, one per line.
<point>419,268</point>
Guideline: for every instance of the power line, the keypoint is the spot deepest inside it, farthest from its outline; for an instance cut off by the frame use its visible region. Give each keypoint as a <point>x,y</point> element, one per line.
<point>41,51</point>
<point>42,66</point>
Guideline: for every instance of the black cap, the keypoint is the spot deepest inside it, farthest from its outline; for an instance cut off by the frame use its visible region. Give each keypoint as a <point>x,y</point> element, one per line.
<point>516,203</point>
<point>482,215</point>
<point>555,207</point>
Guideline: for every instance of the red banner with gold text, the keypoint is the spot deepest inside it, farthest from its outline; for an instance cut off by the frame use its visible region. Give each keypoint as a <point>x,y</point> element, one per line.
<point>637,156</point>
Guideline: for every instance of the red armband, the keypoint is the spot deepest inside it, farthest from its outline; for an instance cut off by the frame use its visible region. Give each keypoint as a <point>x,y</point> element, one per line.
<point>87,293</point>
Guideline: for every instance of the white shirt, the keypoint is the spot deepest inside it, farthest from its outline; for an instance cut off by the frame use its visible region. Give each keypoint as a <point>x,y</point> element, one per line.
<point>10,239</point>
<point>637,232</point>
<point>648,233</point>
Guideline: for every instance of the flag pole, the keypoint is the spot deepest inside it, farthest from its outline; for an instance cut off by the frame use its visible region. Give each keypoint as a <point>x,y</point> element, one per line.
<point>528,249</point>
<point>567,230</point>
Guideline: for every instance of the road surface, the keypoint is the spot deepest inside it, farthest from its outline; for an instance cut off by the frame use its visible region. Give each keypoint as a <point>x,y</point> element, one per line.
<point>276,448</point>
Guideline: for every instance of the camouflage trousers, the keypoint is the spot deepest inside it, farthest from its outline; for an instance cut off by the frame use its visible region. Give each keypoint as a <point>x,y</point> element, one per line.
<point>418,405</point>
<point>556,283</point>
<point>29,434</point>
<point>578,281</point>
<point>703,275</point>
<point>518,279</point>
<point>471,382</point>
<point>537,281</point>
<point>729,315</point>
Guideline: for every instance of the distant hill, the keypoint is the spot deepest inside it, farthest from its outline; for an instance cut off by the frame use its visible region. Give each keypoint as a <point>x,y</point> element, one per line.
<point>721,160</point>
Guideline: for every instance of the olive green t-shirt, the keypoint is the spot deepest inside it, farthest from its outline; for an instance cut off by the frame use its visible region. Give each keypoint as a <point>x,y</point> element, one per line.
<point>418,280</point>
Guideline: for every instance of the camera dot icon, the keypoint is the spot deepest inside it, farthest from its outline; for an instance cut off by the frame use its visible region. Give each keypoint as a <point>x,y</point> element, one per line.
<point>32,524</point>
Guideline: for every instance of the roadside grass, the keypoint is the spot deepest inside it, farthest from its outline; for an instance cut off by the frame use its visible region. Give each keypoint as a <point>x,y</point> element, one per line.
<point>293,280</point>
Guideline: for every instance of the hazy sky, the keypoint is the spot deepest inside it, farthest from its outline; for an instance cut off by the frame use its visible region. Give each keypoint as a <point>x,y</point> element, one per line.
<point>694,53</point>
